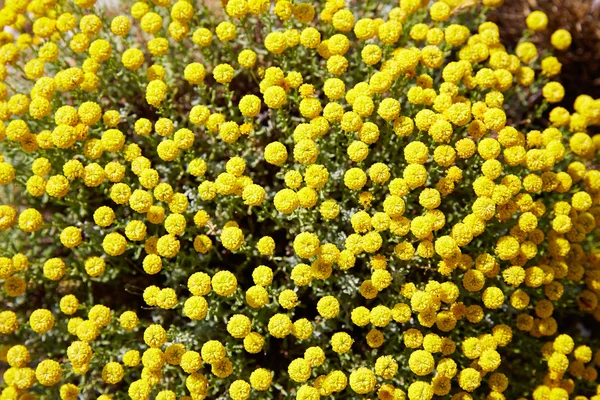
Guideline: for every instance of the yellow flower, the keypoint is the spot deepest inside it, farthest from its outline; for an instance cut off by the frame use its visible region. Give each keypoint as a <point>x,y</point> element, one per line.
<point>71,237</point>
<point>232,238</point>
<point>132,59</point>
<point>355,178</point>
<point>260,379</point>
<point>226,31</point>
<point>41,320</point>
<point>250,105</point>
<point>276,153</point>
<point>341,342</point>
<point>362,380</point>
<point>196,308</point>
<point>553,92</point>
<point>389,32</point>
<point>247,58</point>
<point>469,379</point>
<point>537,21</point>
<point>379,173</point>
<point>561,39</point>
<point>48,372</point>
<point>286,201</point>
<point>239,390</point>
<point>275,97</point>
<point>493,297</point>
<point>275,42</point>
<point>421,362</point>
<point>337,64</point>
<point>440,11</point>
<point>194,73</point>
<point>386,367</point>
<point>112,373</point>
<point>299,370</point>
<point>306,151</point>
<point>156,92</point>
<point>239,326</point>
<point>223,73</point>
<point>280,326</point>
<point>371,54</point>
<point>328,307</point>
<point>430,198</point>
<point>224,283</point>
<point>120,25</point>
<point>30,220</point>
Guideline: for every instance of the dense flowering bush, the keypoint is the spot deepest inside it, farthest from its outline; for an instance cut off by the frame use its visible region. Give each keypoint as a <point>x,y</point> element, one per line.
<point>293,200</point>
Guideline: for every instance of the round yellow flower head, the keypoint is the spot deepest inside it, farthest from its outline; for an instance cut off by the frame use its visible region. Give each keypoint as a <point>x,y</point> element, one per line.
<point>362,380</point>
<point>232,238</point>
<point>48,372</point>
<point>247,58</point>
<point>561,39</point>
<point>275,42</point>
<point>328,307</point>
<point>224,283</point>
<point>41,321</point>
<point>537,21</point>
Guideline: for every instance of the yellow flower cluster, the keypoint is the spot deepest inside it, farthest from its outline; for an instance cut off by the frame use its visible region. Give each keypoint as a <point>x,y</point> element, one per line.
<point>293,200</point>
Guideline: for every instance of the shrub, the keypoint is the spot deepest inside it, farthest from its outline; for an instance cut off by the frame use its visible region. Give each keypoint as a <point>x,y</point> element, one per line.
<point>293,201</point>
